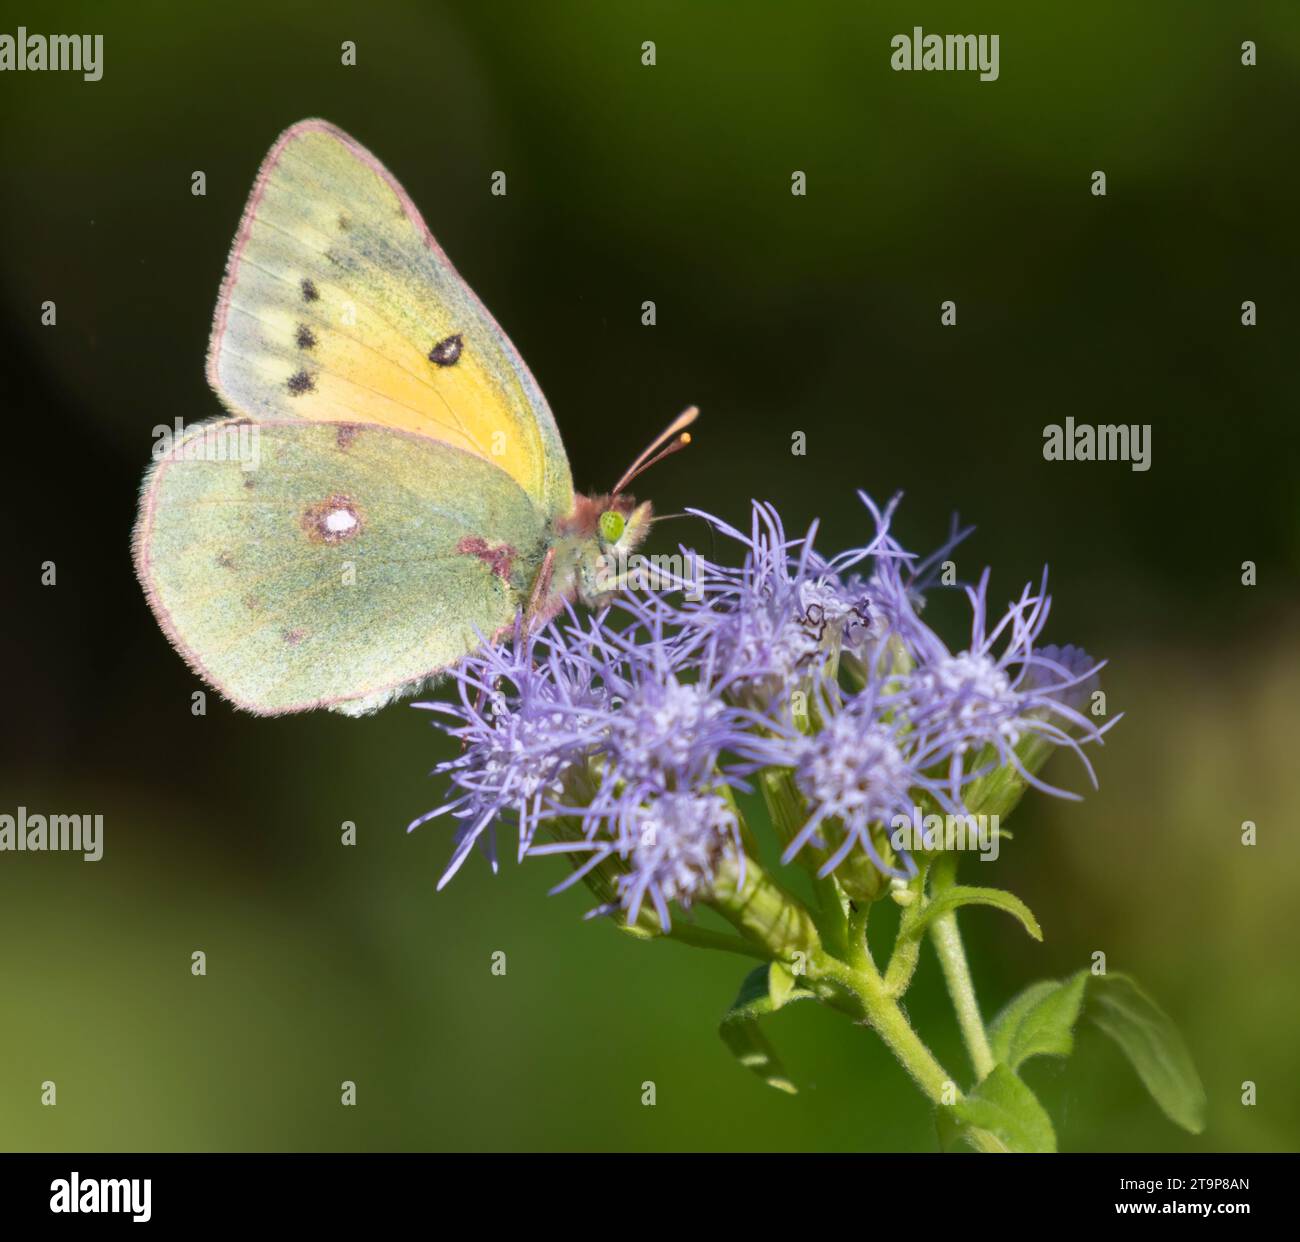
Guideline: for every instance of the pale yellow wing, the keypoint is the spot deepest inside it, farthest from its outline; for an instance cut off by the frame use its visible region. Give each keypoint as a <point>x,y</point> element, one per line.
<point>339,306</point>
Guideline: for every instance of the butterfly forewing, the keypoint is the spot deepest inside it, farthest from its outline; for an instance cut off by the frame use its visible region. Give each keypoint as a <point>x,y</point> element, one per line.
<point>339,306</point>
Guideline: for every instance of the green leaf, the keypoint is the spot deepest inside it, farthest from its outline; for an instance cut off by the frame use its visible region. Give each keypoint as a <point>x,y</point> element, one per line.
<point>950,899</point>
<point>1006,1108</point>
<point>1038,1022</point>
<point>763,991</point>
<point>1152,1044</point>
<point>780,984</point>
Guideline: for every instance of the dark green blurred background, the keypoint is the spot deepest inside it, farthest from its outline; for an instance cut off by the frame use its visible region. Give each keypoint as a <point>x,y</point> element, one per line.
<point>775,314</point>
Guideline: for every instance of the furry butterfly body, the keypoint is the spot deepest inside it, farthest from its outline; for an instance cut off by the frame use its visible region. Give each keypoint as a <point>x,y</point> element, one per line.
<point>409,493</point>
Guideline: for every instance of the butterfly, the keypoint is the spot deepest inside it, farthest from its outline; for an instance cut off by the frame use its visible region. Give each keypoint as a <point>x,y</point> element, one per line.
<point>391,489</point>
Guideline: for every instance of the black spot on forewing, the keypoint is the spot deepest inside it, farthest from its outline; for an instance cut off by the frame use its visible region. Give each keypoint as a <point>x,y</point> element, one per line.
<point>344,223</point>
<point>305,337</point>
<point>446,353</point>
<point>309,291</point>
<point>300,382</point>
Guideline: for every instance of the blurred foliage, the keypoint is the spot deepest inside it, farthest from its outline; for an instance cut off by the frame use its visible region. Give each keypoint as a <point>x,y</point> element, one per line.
<point>776,314</point>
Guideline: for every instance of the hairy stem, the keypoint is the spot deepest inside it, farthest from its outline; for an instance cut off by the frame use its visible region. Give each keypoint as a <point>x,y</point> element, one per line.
<point>907,944</point>
<point>883,1014</point>
<point>861,986</point>
<point>952,956</point>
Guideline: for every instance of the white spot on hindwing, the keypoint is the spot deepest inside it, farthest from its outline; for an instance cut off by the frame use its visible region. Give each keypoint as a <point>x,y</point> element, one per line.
<point>339,521</point>
<point>332,520</point>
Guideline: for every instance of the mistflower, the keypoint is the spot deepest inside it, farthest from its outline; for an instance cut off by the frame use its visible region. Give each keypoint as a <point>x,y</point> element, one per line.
<point>668,719</point>
<point>621,739</point>
<point>639,744</point>
<point>775,619</point>
<point>525,718</point>
<point>896,583</point>
<point>665,722</point>
<point>982,698</point>
<point>667,728</point>
<point>676,852</point>
<point>862,768</point>
<point>668,851</point>
<point>1068,673</point>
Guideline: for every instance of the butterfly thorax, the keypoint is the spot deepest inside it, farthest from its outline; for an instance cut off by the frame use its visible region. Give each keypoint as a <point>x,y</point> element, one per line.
<point>591,547</point>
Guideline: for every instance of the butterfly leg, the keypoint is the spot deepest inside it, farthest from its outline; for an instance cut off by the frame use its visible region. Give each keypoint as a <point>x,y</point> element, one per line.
<point>537,610</point>
<point>478,709</point>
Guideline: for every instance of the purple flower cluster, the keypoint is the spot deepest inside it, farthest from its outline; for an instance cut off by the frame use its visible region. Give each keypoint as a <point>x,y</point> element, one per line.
<point>622,739</point>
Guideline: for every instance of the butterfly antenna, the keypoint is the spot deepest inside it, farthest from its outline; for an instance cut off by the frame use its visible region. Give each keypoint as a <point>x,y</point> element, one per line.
<point>673,437</point>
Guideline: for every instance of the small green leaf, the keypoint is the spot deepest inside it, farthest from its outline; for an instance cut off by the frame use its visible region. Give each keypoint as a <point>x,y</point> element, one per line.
<point>950,899</point>
<point>753,991</point>
<point>1038,1022</point>
<point>1152,1044</point>
<point>1004,1106</point>
<point>758,997</point>
<point>780,984</point>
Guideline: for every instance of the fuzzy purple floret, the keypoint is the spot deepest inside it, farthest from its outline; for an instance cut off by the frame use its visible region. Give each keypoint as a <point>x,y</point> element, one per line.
<point>632,729</point>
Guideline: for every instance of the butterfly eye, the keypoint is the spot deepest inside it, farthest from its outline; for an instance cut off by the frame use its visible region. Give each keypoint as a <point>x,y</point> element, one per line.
<point>611,526</point>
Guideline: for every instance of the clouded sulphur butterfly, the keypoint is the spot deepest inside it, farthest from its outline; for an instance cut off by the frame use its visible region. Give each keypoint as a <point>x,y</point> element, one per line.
<point>392,483</point>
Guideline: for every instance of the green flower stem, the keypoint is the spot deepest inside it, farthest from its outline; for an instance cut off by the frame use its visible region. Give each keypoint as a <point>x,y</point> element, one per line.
<point>902,964</point>
<point>907,943</point>
<point>862,987</point>
<point>952,956</point>
<point>781,928</point>
<point>884,1016</point>
<point>860,991</point>
<point>859,954</point>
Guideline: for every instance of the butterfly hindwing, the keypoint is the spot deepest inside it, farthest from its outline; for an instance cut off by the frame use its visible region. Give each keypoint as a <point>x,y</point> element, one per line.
<point>338,305</point>
<point>350,561</point>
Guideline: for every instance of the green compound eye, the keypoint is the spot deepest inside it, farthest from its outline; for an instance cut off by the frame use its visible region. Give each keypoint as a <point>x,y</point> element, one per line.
<point>611,526</point>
